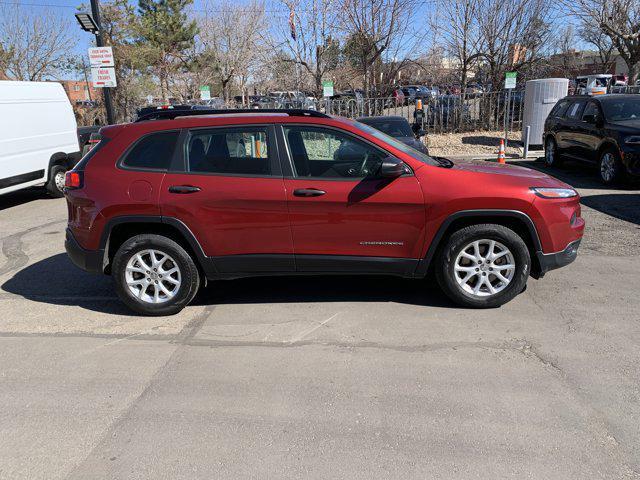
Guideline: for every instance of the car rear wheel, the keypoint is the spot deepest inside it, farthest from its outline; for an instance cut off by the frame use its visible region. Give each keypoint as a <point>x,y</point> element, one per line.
<point>551,156</point>
<point>55,185</point>
<point>154,275</point>
<point>483,266</point>
<point>610,167</point>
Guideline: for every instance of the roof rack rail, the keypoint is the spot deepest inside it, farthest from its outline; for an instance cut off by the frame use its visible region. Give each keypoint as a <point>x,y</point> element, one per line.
<point>170,114</point>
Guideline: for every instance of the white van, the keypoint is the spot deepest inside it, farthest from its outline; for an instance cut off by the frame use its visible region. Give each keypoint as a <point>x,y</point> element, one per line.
<point>593,84</point>
<point>38,136</point>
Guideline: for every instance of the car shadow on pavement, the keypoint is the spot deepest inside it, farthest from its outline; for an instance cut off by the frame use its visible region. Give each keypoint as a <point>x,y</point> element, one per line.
<point>56,281</point>
<point>326,288</point>
<point>575,173</point>
<point>621,206</point>
<point>19,197</point>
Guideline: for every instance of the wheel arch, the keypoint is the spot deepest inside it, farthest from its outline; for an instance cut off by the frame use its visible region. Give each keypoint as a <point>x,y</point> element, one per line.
<point>516,220</point>
<point>607,144</point>
<point>120,229</point>
<point>61,158</point>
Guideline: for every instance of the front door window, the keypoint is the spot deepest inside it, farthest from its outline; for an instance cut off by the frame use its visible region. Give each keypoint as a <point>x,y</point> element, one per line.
<point>326,154</point>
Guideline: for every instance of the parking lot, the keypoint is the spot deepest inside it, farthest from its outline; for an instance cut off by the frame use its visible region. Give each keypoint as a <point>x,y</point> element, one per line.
<point>333,377</point>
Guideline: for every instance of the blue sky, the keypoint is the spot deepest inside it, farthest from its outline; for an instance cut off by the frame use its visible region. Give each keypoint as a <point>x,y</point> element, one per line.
<point>275,9</point>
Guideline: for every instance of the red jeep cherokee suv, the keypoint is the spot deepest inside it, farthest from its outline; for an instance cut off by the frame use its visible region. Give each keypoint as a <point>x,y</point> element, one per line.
<point>176,198</point>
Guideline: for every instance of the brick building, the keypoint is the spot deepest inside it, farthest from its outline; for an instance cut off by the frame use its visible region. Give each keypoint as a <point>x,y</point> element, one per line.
<point>80,91</point>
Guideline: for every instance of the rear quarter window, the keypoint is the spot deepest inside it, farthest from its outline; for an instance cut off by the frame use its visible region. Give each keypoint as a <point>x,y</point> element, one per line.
<point>152,152</point>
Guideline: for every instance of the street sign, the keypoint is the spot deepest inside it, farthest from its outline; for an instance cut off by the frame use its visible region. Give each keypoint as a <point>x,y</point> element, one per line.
<point>103,77</point>
<point>510,80</point>
<point>327,88</point>
<point>101,57</point>
<point>205,92</point>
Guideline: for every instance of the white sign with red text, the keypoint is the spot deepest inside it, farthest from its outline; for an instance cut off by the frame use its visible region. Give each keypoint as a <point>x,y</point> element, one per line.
<point>103,77</point>
<point>101,57</point>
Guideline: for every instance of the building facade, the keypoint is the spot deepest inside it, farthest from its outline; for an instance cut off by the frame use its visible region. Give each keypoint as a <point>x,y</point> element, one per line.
<point>80,91</point>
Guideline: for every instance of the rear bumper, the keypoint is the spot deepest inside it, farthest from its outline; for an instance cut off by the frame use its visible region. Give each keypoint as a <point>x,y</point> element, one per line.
<point>89,260</point>
<point>551,261</point>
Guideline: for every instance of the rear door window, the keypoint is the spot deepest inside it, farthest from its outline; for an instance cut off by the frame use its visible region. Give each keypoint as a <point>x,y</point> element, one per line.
<point>575,110</point>
<point>152,152</point>
<point>233,151</point>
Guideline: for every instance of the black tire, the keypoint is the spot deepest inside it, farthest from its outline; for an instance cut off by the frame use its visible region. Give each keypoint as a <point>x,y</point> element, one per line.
<point>610,167</point>
<point>447,255</point>
<point>551,153</point>
<point>188,273</point>
<point>55,189</point>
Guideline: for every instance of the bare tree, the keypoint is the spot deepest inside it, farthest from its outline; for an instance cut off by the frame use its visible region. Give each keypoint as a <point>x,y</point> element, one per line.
<point>33,46</point>
<point>456,22</point>
<point>620,21</point>
<point>566,58</point>
<point>593,35</point>
<point>231,40</point>
<point>373,28</point>
<point>316,47</point>
<point>512,35</point>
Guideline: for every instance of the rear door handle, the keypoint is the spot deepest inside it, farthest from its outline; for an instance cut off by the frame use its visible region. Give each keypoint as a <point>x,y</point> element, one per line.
<point>183,189</point>
<point>308,192</point>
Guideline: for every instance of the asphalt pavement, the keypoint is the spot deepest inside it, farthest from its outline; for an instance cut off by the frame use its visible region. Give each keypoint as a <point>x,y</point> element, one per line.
<point>328,377</point>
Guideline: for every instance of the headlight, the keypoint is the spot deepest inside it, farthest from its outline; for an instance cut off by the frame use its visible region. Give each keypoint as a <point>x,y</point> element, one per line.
<point>554,192</point>
<point>633,140</point>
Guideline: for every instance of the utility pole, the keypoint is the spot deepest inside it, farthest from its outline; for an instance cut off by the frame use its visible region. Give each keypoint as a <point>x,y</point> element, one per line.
<point>95,12</point>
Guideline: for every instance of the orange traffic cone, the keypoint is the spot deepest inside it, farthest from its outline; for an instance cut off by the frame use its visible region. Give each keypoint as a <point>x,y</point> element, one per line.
<point>501,158</point>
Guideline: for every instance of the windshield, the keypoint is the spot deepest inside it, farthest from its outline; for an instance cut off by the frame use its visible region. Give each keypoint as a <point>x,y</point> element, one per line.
<point>620,109</point>
<point>421,157</point>
<point>395,128</point>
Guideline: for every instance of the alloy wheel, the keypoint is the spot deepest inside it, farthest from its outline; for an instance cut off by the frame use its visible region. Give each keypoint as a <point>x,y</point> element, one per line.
<point>152,276</point>
<point>608,167</point>
<point>484,267</point>
<point>550,153</point>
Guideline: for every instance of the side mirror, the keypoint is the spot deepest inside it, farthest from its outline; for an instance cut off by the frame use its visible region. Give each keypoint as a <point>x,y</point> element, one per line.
<point>420,133</point>
<point>392,168</point>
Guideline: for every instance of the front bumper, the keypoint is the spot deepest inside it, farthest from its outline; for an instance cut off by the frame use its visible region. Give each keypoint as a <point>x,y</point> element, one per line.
<point>89,260</point>
<point>551,261</point>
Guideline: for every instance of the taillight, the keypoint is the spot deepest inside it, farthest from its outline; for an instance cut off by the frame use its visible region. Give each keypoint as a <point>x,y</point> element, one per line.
<point>73,180</point>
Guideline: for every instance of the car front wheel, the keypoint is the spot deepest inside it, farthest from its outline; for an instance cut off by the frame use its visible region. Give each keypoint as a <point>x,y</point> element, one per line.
<point>483,266</point>
<point>154,275</point>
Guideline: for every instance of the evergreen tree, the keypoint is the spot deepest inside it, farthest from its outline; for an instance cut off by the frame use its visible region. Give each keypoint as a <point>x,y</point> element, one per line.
<point>167,33</point>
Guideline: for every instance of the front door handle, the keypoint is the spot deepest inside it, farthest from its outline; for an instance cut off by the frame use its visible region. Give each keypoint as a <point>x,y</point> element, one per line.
<point>308,192</point>
<point>183,189</point>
